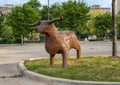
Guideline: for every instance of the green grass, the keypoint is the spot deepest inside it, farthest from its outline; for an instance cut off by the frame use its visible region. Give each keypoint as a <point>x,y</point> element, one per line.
<point>87,68</point>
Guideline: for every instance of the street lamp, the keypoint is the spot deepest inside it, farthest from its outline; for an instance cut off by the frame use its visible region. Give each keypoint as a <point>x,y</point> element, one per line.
<point>48,11</point>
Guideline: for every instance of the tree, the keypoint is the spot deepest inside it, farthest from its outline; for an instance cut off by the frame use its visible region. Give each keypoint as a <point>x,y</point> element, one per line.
<point>1,20</point>
<point>90,23</point>
<point>20,16</point>
<point>31,15</point>
<point>44,12</point>
<point>114,47</point>
<point>16,20</point>
<point>55,10</point>
<point>103,24</point>
<point>6,31</point>
<point>34,3</point>
<point>75,16</point>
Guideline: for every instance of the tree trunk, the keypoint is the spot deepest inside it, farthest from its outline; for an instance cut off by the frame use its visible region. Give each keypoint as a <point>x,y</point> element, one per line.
<point>22,41</point>
<point>114,47</point>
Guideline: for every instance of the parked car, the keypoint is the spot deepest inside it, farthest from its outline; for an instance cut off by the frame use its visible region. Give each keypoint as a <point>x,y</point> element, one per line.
<point>92,37</point>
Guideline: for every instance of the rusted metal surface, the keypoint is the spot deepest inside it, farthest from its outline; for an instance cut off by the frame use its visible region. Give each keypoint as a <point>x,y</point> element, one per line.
<point>57,41</point>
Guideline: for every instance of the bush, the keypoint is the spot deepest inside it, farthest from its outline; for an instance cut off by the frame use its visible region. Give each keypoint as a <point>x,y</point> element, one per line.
<point>6,41</point>
<point>10,41</point>
<point>17,40</point>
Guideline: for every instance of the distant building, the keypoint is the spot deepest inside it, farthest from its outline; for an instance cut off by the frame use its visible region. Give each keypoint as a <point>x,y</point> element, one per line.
<point>6,8</point>
<point>96,7</point>
<point>118,5</point>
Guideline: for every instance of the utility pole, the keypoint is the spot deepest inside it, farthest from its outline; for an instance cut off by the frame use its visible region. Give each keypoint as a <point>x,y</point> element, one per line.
<point>114,46</point>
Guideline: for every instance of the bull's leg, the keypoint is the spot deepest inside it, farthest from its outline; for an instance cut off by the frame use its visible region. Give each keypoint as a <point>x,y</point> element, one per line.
<point>52,60</point>
<point>64,59</point>
<point>78,49</point>
<point>78,54</point>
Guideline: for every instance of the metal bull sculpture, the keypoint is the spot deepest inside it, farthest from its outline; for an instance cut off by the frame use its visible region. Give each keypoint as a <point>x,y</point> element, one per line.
<point>57,41</point>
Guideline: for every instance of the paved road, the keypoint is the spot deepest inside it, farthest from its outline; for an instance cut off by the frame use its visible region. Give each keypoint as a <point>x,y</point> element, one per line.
<point>10,55</point>
<point>16,53</point>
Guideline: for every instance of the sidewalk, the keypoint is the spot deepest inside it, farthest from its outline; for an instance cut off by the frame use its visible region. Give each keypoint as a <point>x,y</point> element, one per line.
<point>18,81</point>
<point>10,75</point>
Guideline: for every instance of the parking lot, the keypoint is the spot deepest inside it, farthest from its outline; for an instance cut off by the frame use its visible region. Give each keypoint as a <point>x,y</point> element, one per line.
<point>14,53</point>
<point>11,55</point>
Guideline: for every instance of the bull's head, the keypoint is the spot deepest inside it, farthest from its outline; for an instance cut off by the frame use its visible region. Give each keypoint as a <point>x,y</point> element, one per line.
<point>45,25</point>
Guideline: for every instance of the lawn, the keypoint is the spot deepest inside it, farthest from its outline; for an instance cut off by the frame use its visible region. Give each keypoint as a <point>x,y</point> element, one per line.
<point>87,68</point>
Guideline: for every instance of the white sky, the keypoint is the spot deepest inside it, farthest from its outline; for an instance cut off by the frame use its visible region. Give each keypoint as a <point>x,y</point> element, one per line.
<point>102,3</point>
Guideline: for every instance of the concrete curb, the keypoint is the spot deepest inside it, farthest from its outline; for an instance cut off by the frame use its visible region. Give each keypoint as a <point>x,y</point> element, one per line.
<point>57,81</point>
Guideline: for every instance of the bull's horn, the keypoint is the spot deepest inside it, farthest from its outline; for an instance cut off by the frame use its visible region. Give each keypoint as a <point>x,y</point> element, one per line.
<point>34,24</point>
<point>56,19</point>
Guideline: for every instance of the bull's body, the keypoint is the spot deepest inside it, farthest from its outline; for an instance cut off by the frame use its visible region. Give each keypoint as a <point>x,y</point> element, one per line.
<point>64,40</point>
<point>58,41</point>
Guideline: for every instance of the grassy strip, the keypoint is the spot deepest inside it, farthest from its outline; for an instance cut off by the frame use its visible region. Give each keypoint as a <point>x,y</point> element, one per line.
<point>87,68</point>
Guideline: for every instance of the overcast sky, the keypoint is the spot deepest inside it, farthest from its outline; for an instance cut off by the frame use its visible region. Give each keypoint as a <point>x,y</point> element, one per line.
<point>102,3</point>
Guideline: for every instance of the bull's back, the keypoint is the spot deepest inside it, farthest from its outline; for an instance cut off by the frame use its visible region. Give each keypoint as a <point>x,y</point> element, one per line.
<point>70,38</point>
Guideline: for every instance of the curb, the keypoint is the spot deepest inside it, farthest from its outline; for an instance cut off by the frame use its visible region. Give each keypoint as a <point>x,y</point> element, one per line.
<point>56,81</point>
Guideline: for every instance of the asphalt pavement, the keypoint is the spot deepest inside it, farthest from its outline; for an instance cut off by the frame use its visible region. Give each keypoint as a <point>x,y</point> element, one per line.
<point>12,54</point>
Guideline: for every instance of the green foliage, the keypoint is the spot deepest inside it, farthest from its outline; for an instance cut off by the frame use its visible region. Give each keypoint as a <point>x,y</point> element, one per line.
<point>14,24</point>
<point>87,69</point>
<point>6,32</point>
<point>34,3</point>
<point>103,24</point>
<point>75,16</point>
<point>44,12</point>
<point>54,11</point>
<point>1,20</point>
<point>20,16</point>
<point>16,18</point>
<point>97,12</point>
<point>90,23</point>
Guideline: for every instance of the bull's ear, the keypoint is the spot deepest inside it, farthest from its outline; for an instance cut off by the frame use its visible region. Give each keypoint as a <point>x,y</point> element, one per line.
<point>56,19</point>
<point>34,24</point>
